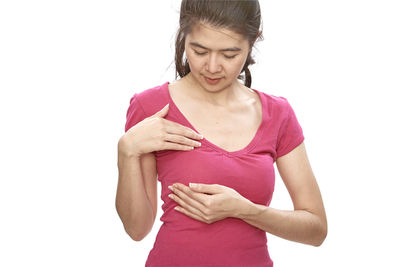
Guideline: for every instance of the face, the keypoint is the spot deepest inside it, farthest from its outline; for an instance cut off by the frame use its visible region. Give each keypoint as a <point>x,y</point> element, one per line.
<point>215,53</point>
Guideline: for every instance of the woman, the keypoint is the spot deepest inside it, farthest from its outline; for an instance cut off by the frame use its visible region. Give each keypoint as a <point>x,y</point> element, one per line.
<point>211,141</point>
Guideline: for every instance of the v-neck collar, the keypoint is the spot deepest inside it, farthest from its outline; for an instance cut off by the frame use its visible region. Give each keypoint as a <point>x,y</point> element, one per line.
<point>205,141</point>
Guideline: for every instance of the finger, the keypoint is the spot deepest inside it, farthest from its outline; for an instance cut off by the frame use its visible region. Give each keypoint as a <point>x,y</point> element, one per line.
<point>175,146</point>
<point>181,140</point>
<point>162,112</point>
<point>196,200</point>
<point>206,188</point>
<point>187,202</point>
<point>183,205</point>
<point>179,129</point>
<point>188,213</point>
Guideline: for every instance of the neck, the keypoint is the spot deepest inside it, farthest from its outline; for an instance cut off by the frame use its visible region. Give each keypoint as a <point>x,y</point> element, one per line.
<point>223,97</point>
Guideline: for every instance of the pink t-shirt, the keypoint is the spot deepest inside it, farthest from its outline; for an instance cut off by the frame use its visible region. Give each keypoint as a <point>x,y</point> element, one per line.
<point>184,241</point>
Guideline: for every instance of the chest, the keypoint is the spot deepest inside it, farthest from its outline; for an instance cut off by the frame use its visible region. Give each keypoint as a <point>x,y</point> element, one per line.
<point>231,128</point>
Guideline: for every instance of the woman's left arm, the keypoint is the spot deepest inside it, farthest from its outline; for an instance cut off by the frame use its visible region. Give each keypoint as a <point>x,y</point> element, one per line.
<point>307,223</point>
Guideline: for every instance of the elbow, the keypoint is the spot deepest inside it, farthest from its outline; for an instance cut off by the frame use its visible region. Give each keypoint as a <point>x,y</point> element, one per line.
<point>318,242</point>
<point>134,235</point>
<point>132,228</point>
<point>320,236</point>
<point>137,234</point>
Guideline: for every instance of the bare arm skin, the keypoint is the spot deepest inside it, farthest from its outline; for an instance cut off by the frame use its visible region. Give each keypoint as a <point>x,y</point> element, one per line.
<point>134,206</point>
<point>307,223</point>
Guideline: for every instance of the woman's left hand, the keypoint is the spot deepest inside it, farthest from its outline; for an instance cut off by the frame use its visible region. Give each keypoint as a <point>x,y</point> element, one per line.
<point>207,202</point>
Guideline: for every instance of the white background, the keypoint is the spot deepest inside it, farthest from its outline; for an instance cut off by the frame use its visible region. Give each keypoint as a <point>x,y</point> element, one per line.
<point>69,68</point>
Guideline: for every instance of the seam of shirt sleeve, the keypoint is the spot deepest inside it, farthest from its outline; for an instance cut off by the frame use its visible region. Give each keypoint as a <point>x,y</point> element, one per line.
<point>146,115</point>
<point>141,107</point>
<point>283,125</point>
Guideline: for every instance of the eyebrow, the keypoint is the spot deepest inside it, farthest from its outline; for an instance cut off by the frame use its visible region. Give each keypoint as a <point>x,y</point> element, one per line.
<point>234,49</point>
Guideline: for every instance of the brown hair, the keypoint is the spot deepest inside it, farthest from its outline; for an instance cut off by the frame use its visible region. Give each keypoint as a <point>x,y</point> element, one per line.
<point>240,16</point>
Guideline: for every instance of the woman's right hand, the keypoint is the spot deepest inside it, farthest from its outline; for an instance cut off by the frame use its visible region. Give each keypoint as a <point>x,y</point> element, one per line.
<point>156,133</point>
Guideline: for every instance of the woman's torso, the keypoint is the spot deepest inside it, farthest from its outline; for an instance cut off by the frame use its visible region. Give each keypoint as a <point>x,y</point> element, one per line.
<point>238,152</point>
<point>228,159</point>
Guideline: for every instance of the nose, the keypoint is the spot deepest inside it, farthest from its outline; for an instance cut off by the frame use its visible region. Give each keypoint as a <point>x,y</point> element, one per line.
<point>213,64</point>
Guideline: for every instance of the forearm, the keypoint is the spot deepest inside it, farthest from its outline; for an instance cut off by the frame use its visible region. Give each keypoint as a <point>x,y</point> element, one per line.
<point>298,225</point>
<point>132,203</point>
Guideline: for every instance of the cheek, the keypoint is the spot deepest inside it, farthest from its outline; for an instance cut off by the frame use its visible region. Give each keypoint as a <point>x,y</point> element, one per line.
<point>194,62</point>
<point>235,66</point>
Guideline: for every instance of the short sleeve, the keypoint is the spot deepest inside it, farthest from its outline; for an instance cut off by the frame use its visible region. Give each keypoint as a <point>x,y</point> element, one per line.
<point>135,113</point>
<point>290,134</point>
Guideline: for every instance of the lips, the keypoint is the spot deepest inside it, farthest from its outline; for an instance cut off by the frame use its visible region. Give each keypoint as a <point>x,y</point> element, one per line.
<point>211,80</point>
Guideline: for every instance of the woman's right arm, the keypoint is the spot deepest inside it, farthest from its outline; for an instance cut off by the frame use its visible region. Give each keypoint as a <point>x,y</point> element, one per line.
<point>136,199</point>
<point>132,201</point>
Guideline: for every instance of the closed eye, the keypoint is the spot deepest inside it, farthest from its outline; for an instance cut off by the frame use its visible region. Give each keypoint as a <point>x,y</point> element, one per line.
<point>200,54</point>
<point>230,56</point>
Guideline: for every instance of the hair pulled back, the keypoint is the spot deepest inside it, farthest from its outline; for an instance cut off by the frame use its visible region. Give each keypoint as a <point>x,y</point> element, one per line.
<point>240,16</point>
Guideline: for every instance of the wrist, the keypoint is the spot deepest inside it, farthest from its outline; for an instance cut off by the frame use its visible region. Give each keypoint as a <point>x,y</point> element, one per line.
<point>125,150</point>
<point>247,209</point>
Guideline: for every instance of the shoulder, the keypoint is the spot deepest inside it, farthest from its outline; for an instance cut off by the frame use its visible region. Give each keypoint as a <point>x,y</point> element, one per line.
<point>275,104</point>
<point>152,99</point>
<point>151,94</point>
